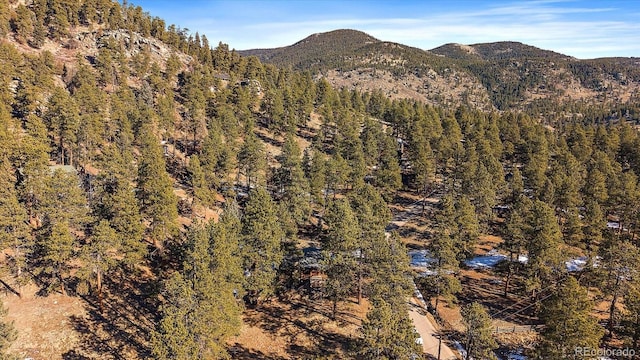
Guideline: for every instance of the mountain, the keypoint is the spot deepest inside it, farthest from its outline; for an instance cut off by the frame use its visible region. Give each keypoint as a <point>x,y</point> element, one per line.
<point>500,75</point>
<point>314,49</point>
<point>503,50</point>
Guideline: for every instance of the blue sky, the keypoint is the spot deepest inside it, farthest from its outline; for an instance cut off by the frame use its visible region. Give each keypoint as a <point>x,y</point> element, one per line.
<point>584,29</point>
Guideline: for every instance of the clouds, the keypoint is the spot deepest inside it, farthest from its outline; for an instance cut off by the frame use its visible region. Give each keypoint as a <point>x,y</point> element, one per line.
<point>582,29</point>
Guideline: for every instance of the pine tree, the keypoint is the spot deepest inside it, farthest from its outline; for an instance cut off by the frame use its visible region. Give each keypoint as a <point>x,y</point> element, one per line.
<point>516,184</point>
<point>341,241</point>
<point>100,255</point>
<point>252,159</point>
<point>62,118</point>
<point>291,181</point>
<point>444,282</point>
<point>202,193</point>
<point>57,249</point>
<point>14,227</point>
<point>543,247</point>
<point>479,341</point>
<point>155,191</point>
<point>389,269</point>
<point>225,248</point>
<point>200,312</point>
<point>467,227</point>
<point>631,317</point>
<point>8,334</point>
<point>619,268</point>
<point>568,323</point>
<point>387,332</point>
<point>22,24</point>
<point>262,239</point>
<point>315,171</point>
<point>116,203</point>
<point>63,200</point>
<point>594,226</point>
<point>516,232</point>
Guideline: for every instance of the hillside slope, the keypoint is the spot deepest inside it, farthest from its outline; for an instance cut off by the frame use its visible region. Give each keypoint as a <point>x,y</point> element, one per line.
<point>501,75</point>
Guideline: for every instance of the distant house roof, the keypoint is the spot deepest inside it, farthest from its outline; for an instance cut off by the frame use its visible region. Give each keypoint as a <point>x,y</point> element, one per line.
<point>64,168</point>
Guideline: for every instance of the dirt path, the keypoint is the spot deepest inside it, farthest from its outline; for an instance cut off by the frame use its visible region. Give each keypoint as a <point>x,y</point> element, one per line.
<point>421,320</point>
<point>427,331</point>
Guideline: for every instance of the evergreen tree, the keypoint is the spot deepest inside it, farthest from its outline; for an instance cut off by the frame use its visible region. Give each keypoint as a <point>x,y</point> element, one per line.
<point>315,171</point>
<point>62,118</point>
<point>594,226</point>
<point>14,227</point>
<point>57,249</point>
<point>619,268</point>
<point>516,232</point>
<point>225,248</point>
<point>63,200</point>
<point>200,312</point>
<point>155,191</point>
<point>444,282</point>
<point>292,183</point>
<point>467,227</point>
<point>341,242</point>
<point>23,24</point>
<point>262,239</point>
<point>101,253</point>
<point>631,317</point>
<point>568,323</point>
<point>543,248</point>
<point>390,272</point>
<point>387,332</point>
<point>202,193</point>
<point>252,159</point>
<point>479,341</point>
<point>8,335</point>
<point>116,203</point>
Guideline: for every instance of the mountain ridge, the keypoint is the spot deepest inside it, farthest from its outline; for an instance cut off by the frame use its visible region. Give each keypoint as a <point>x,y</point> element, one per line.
<point>505,75</point>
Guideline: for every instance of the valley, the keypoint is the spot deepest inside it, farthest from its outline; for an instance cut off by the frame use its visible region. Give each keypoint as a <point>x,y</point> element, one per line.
<point>340,198</point>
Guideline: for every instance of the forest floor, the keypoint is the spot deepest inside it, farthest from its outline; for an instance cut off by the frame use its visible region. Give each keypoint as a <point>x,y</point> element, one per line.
<point>298,328</point>
<point>43,323</point>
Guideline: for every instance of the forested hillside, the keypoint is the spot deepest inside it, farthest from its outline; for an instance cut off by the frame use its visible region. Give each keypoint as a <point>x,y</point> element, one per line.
<point>167,199</point>
<point>493,76</point>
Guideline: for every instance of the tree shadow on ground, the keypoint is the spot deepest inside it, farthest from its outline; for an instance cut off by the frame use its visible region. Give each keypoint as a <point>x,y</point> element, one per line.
<point>302,318</point>
<point>517,309</point>
<point>122,329</point>
<point>238,352</point>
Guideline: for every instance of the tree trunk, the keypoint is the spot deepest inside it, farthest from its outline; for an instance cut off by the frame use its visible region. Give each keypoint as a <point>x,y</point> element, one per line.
<point>359,286</point>
<point>62,289</point>
<point>508,281</point>
<point>99,286</point>
<point>334,309</point>
<point>468,348</point>
<point>612,307</point>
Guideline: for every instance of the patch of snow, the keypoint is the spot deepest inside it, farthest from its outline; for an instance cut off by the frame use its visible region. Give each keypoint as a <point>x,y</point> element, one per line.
<point>460,348</point>
<point>576,264</point>
<point>489,260</point>
<point>421,258</point>
<point>516,357</point>
<point>523,259</point>
<point>429,272</point>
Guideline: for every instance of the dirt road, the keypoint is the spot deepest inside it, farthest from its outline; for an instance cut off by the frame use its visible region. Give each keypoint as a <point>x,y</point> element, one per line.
<point>426,329</point>
<point>423,324</point>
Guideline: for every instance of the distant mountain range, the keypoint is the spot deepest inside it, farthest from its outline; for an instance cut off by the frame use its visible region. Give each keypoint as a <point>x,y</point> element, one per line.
<point>500,75</point>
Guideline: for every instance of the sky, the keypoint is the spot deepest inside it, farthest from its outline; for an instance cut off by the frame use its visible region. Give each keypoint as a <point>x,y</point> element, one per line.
<point>580,28</point>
